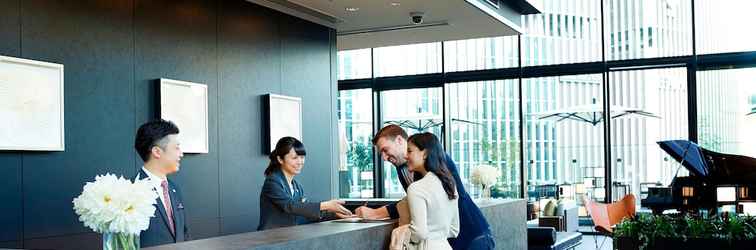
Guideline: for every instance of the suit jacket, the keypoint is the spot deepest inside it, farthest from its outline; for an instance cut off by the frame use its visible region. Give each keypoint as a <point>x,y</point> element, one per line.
<point>472,222</point>
<point>158,232</point>
<point>280,208</point>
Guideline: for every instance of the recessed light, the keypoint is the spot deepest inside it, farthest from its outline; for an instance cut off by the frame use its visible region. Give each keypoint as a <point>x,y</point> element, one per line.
<point>395,4</point>
<point>352,9</point>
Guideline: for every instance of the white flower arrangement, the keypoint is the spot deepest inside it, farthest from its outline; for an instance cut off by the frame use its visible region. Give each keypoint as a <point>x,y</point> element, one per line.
<point>116,205</point>
<point>485,175</point>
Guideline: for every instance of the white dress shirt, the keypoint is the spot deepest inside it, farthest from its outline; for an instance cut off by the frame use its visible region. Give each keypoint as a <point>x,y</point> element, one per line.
<point>157,184</point>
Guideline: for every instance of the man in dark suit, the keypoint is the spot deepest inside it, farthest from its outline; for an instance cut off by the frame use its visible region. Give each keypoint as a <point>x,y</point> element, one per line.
<point>158,146</point>
<point>474,234</point>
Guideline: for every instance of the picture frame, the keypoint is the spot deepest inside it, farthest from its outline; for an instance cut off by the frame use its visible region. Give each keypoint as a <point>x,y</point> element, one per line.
<point>185,104</point>
<point>281,116</point>
<point>32,105</point>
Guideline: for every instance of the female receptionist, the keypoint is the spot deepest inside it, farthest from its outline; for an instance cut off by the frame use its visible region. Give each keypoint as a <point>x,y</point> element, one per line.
<point>282,199</point>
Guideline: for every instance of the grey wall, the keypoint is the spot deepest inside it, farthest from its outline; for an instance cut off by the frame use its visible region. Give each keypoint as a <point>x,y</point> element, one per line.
<point>113,51</point>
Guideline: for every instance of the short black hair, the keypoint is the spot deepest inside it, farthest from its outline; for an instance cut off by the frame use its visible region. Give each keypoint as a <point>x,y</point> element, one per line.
<point>150,133</point>
<point>283,147</point>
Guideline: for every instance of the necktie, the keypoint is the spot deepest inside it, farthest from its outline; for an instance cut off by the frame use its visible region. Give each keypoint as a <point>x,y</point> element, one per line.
<point>168,207</point>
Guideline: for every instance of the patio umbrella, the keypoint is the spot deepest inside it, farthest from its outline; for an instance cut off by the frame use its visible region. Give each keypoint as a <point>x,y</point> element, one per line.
<point>591,113</point>
<point>422,125</point>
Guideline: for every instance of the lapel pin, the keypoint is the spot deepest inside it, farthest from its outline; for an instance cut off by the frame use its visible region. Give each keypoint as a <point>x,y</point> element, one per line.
<point>174,190</point>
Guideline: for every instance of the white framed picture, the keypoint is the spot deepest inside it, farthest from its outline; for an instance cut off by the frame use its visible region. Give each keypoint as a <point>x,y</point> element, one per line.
<point>185,104</point>
<point>31,105</point>
<point>282,116</point>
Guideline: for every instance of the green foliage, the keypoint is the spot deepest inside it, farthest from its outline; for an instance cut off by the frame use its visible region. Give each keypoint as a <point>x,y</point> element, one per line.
<point>646,229</point>
<point>361,156</point>
<point>697,228</point>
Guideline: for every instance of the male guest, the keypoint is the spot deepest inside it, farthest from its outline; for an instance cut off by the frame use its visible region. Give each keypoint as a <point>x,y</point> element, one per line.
<point>391,142</point>
<point>158,145</point>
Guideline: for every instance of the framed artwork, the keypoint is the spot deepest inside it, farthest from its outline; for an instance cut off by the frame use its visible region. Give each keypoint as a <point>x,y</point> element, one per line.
<point>185,104</point>
<point>282,116</point>
<point>31,105</point>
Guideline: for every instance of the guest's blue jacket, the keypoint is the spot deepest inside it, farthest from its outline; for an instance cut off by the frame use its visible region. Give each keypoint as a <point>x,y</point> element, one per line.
<point>471,220</point>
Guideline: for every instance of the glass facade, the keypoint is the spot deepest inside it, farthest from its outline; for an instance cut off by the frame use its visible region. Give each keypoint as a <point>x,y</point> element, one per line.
<point>722,26</point>
<point>355,117</point>
<point>512,123</point>
<point>727,110</point>
<point>415,110</point>
<point>354,64</point>
<point>484,125</point>
<point>565,32</point>
<point>483,53</point>
<point>645,29</point>
<point>409,59</point>
<point>637,161</point>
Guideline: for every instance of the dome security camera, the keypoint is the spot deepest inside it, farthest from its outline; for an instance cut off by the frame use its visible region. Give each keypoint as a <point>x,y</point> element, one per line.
<point>416,17</point>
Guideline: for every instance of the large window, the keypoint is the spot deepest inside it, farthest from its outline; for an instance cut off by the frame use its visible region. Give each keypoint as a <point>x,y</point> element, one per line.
<point>483,53</point>
<point>354,64</point>
<point>725,26</point>
<point>485,130</point>
<point>564,138</point>
<point>727,110</point>
<point>649,106</point>
<point>500,106</point>
<point>355,111</point>
<point>409,59</point>
<point>644,29</point>
<point>415,110</point>
<point>565,32</point>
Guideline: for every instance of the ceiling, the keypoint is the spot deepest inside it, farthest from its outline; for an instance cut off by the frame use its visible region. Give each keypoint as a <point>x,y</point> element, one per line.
<point>378,23</point>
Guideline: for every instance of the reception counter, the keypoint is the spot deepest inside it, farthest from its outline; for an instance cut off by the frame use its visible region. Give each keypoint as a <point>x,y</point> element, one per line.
<point>507,219</point>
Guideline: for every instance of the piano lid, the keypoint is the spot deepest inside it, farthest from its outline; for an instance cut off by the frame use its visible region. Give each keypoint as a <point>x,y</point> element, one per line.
<point>689,154</point>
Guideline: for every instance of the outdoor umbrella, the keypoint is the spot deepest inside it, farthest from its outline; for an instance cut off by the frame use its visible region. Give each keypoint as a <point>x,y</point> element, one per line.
<point>591,113</point>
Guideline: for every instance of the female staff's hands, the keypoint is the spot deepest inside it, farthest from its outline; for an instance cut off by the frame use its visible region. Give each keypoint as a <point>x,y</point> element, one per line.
<point>335,206</point>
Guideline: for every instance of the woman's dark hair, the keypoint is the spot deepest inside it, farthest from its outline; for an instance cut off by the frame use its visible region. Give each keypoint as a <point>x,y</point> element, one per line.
<point>283,147</point>
<point>436,160</point>
<point>152,134</point>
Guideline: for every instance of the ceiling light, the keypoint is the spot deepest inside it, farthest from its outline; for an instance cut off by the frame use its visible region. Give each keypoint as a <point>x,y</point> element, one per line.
<point>395,4</point>
<point>352,9</point>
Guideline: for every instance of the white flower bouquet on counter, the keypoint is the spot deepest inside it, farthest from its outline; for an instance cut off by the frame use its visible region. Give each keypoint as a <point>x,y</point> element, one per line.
<point>117,208</point>
<point>485,175</point>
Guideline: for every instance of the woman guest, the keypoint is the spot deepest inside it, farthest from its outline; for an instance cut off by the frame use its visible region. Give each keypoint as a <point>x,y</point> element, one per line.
<point>282,200</point>
<point>432,199</point>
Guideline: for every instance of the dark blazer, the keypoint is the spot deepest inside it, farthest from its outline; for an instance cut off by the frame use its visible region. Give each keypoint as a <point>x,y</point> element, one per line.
<point>471,220</point>
<point>279,208</point>
<point>159,233</point>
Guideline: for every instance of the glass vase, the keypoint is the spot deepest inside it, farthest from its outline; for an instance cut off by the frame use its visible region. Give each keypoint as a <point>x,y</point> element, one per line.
<point>485,192</point>
<point>120,241</point>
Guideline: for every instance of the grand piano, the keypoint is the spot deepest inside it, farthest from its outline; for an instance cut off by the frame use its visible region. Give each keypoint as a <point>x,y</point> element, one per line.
<point>715,179</point>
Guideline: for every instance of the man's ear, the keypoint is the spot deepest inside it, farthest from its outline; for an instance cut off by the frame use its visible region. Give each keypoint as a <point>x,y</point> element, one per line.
<point>155,151</point>
<point>399,140</point>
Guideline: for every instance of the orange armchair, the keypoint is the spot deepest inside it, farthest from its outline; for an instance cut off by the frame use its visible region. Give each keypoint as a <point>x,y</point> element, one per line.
<point>605,216</point>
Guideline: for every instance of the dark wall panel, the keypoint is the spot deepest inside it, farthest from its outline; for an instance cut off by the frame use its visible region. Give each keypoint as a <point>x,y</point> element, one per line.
<point>177,40</point>
<point>10,191</point>
<point>113,53</point>
<point>305,75</point>
<point>93,40</point>
<point>9,28</point>
<point>10,162</point>
<point>10,244</point>
<point>249,50</point>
